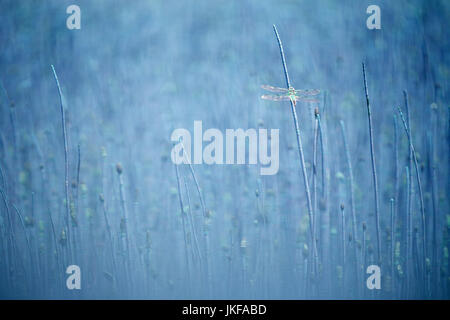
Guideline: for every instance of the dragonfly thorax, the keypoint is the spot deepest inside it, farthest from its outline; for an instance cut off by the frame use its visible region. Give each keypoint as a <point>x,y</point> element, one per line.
<point>292,93</point>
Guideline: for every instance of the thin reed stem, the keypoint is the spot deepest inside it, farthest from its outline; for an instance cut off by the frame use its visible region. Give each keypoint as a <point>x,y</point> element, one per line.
<point>352,198</point>
<point>300,151</point>
<point>28,243</point>
<point>374,170</point>
<point>350,173</point>
<point>364,254</point>
<point>314,177</point>
<point>416,166</point>
<point>75,217</point>
<point>205,219</point>
<point>392,244</point>
<point>343,240</point>
<point>183,219</point>
<point>191,222</point>
<point>410,189</point>
<point>66,159</point>
<point>396,165</point>
<point>11,237</point>
<point>408,232</point>
<point>110,238</point>
<point>78,175</point>
<point>124,223</point>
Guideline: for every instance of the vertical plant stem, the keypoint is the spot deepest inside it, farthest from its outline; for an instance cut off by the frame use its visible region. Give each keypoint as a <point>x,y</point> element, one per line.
<point>124,209</point>
<point>364,227</point>
<point>205,220</point>
<point>435,203</point>
<point>314,177</point>
<point>5,234</point>
<point>110,239</point>
<point>28,243</point>
<point>300,151</point>
<point>352,199</point>
<point>408,232</point>
<point>343,241</point>
<point>78,175</point>
<point>324,224</point>
<point>191,222</point>
<point>350,173</point>
<point>374,170</point>
<point>76,235</point>
<point>416,259</point>
<point>392,245</point>
<point>183,219</point>
<point>322,154</point>
<point>10,246</point>
<point>396,167</point>
<point>12,118</point>
<point>3,179</point>
<point>435,243</point>
<point>419,184</point>
<point>66,160</point>
<point>124,226</point>
<point>410,185</point>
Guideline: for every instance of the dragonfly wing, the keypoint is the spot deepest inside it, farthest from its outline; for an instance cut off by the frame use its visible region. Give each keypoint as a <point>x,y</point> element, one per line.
<point>310,92</point>
<point>275,98</point>
<point>273,89</point>
<point>305,99</point>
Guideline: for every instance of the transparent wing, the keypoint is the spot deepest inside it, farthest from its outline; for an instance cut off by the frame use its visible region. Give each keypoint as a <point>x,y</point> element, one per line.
<point>275,98</point>
<point>310,92</point>
<point>297,98</point>
<point>273,89</point>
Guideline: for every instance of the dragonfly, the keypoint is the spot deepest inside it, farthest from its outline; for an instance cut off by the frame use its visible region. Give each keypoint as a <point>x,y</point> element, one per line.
<point>291,94</point>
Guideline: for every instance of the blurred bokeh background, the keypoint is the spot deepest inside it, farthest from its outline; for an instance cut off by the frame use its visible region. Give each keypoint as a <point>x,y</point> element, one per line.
<point>137,70</point>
